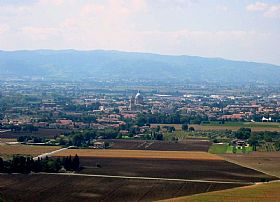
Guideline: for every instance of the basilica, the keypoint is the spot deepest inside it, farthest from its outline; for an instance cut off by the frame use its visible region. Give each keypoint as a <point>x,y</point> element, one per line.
<point>136,102</point>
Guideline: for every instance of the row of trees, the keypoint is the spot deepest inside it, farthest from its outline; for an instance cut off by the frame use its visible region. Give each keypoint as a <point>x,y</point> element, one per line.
<point>82,108</point>
<point>24,128</point>
<point>21,164</point>
<point>34,139</point>
<point>84,138</point>
<point>175,118</point>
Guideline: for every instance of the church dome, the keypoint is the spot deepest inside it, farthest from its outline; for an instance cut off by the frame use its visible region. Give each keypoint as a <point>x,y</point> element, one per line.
<point>138,95</point>
<point>139,99</point>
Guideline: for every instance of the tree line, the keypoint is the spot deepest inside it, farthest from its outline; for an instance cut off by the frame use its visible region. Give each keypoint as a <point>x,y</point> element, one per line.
<point>174,118</point>
<point>22,164</point>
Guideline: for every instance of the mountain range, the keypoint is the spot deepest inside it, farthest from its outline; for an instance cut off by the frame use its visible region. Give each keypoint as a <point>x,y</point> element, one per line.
<point>117,65</point>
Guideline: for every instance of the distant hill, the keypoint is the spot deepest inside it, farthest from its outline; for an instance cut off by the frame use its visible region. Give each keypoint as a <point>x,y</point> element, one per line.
<point>135,66</point>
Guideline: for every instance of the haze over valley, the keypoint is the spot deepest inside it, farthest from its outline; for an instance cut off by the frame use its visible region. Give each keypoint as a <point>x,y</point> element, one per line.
<point>116,65</point>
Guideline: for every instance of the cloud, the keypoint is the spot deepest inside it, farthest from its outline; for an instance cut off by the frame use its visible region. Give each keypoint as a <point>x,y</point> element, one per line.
<point>122,7</point>
<point>268,10</point>
<point>222,8</point>
<point>16,2</point>
<point>51,2</point>
<point>258,6</point>
<point>162,26</point>
<point>39,33</point>
<point>4,28</point>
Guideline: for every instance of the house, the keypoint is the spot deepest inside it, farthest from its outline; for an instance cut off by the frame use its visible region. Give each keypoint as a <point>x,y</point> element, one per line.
<point>99,145</point>
<point>266,120</point>
<point>239,143</point>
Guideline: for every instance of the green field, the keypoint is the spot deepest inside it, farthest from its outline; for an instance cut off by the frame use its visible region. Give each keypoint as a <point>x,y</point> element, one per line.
<point>218,148</point>
<point>227,149</point>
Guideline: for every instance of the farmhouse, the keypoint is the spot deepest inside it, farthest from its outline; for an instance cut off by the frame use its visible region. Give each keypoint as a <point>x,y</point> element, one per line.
<point>99,145</point>
<point>239,143</point>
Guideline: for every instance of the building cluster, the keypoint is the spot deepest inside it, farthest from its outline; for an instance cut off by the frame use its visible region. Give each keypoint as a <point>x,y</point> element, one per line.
<point>68,107</point>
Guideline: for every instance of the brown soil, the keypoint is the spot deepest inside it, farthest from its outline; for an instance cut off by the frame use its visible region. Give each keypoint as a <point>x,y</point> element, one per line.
<point>116,153</point>
<point>166,168</point>
<point>268,162</point>
<point>26,149</point>
<point>77,188</point>
<point>187,145</point>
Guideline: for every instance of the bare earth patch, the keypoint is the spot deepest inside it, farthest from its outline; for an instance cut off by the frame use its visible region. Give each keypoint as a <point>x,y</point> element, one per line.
<point>115,153</point>
<point>46,188</point>
<point>7,150</point>
<point>268,162</point>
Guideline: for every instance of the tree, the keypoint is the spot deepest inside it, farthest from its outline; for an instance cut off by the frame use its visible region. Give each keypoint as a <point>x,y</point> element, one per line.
<point>234,150</point>
<point>1,164</point>
<point>191,128</point>
<point>62,141</point>
<point>253,141</point>
<point>159,136</point>
<point>243,133</point>
<point>277,145</point>
<point>141,120</point>
<point>1,198</point>
<point>185,126</point>
<point>67,163</point>
<point>157,128</point>
<point>76,163</point>
<point>78,140</point>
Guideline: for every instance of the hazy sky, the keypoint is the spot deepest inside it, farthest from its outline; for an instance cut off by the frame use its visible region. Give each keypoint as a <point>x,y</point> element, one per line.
<point>233,29</point>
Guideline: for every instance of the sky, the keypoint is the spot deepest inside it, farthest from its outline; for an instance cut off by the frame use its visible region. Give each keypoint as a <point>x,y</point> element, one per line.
<point>232,29</point>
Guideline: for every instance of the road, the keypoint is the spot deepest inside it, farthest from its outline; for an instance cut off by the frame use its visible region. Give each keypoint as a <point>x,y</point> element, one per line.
<point>42,156</point>
<point>148,178</point>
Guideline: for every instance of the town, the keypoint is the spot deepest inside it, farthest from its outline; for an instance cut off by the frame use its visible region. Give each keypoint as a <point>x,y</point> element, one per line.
<point>138,132</point>
<point>81,114</point>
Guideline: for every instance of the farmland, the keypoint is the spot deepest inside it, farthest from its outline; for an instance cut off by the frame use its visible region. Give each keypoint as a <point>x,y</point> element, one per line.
<point>115,153</point>
<point>221,127</point>
<point>215,126</point>
<point>217,170</point>
<point>77,188</point>
<point>183,160</point>
<point>5,140</point>
<point>255,193</point>
<point>268,162</point>
<point>187,145</point>
<point>42,132</point>
<point>167,170</point>
<point>186,136</point>
<point>225,148</point>
<point>8,150</point>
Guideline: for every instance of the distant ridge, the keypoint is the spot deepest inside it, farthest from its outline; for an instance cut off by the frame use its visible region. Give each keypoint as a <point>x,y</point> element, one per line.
<point>117,65</point>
